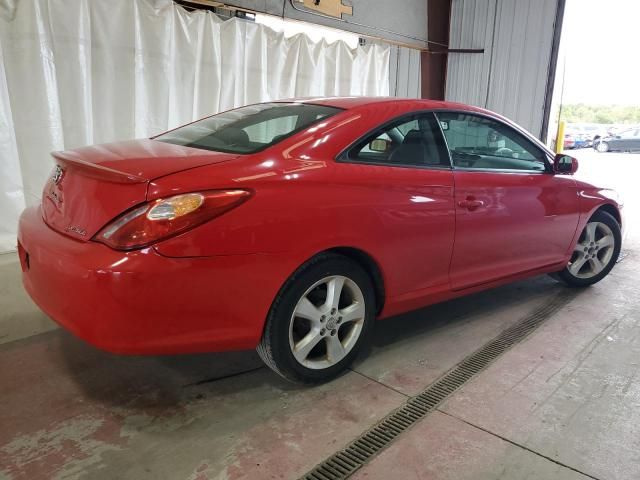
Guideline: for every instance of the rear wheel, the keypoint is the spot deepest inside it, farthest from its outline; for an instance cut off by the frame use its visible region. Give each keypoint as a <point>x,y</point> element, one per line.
<point>595,253</point>
<point>319,320</point>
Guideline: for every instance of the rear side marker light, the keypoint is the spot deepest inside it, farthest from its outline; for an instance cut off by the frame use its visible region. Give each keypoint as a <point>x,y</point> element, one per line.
<point>168,217</point>
<point>23,255</point>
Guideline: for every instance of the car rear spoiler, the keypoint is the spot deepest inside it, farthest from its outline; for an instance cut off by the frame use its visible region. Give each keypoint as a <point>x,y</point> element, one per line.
<point>96,170</point>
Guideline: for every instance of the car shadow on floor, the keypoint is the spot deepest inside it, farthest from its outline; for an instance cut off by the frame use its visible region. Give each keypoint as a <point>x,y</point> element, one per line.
<point>159,382</point>
<point>459,310</point>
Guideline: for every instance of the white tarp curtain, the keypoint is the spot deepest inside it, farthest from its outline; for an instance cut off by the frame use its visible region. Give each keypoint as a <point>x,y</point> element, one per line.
<point>78,72</point>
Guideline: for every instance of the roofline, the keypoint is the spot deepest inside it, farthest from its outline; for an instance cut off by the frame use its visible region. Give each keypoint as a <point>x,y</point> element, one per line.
<point>339,102</point>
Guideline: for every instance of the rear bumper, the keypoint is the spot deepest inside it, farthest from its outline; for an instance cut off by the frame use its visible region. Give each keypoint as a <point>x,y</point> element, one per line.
<point>142,302</point>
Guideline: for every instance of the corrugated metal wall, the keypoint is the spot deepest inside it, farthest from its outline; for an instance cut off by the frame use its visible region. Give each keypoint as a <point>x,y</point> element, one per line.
<point>510,77</point>
<point>404,72</point>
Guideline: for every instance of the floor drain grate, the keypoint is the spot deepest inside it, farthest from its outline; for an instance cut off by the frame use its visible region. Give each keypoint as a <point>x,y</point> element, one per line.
<point>343,463</point>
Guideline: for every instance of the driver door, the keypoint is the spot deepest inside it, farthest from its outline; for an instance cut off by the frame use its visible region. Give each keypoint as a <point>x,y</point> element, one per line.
<point>512,214</point>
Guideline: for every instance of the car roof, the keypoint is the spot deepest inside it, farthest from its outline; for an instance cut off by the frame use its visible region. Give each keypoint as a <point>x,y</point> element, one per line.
<point>353,102</point>
<point>408,104</point>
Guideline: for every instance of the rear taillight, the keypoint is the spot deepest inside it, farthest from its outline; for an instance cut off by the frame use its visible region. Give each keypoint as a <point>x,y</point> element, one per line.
<point>167,217</point>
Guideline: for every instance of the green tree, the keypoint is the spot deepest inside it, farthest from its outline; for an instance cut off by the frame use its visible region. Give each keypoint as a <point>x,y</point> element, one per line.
<point>582,113</point>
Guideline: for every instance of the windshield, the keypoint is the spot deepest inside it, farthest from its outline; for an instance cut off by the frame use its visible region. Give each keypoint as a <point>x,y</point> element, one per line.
<point>248,129</point>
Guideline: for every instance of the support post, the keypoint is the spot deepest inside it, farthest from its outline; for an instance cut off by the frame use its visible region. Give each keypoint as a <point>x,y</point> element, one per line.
<point>434,62</point>
<point>560,137</point>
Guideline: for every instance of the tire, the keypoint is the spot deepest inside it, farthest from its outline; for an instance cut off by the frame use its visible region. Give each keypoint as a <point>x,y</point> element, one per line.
<point>303,310</point>
<point>602,147</point>
<point>595,253</point>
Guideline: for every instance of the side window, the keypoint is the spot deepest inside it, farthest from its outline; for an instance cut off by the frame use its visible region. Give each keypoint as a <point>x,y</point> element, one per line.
<point>408,126</point>
<point>627,134</point>
<point>482,143</point>
<point>412,140</point>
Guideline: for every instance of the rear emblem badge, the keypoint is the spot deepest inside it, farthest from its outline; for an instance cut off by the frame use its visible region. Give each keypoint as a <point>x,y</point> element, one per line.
<point>76,230</point>
<point>57,175</point>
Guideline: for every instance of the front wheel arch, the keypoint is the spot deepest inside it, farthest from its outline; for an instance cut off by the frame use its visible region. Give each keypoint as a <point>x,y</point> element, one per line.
<point>611,210</point>
<point>574,279</point>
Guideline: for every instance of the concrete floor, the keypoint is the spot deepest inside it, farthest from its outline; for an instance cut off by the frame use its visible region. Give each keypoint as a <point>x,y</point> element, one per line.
<point>562,404</point>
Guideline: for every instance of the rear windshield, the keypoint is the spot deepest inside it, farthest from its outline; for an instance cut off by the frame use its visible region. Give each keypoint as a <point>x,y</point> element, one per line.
<point>248,129</point>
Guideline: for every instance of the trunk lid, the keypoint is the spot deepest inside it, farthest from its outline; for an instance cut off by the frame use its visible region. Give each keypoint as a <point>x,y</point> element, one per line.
<point>90,186</point>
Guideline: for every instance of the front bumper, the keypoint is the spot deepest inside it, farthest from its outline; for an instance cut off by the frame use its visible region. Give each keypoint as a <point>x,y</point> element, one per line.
<point>141,302</point>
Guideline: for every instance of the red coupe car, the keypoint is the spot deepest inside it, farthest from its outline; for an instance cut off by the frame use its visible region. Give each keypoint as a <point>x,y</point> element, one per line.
<point>291,226</point>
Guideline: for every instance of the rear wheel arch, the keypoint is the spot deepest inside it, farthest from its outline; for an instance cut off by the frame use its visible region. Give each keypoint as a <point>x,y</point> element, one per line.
<point>357,255</point>
<point>275,347</point>
<point>370,265</point>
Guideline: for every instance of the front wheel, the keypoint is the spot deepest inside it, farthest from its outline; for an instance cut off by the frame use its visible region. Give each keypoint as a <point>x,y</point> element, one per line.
<point>602,147</point>
<point>319,320</point>
<point>596,252</point>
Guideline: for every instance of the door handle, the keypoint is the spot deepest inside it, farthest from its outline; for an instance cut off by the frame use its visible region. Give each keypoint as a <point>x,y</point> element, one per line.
<point>470,203</point>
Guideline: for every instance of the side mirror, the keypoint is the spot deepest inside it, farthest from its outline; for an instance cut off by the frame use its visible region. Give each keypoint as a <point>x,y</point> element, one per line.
<point>564,164</point>
<point>379,145</point>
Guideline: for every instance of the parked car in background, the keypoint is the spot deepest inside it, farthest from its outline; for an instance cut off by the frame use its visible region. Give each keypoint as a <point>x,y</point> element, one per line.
<point>580,139</point>
<point>569,141</point>
<point>585,134</point>
<point>584,141</point>
<point>291,226</point>
<point>594,132</point>
<point>625,141</point>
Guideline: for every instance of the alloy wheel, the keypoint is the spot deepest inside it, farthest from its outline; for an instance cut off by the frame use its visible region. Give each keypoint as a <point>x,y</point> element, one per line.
<point>593,251</point>
<point>327,322</point>
<point>602,147</point>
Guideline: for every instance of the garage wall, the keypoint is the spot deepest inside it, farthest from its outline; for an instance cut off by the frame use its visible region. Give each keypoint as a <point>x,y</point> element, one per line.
<point>404,63</point>
<point>76,72</point>
<point>377,18</point>
<point>404,21</point>
<point>511,76</point>
<point>404,72</point>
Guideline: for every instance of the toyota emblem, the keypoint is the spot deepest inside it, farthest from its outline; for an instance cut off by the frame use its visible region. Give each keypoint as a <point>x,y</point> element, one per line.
<point>57,175</point>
